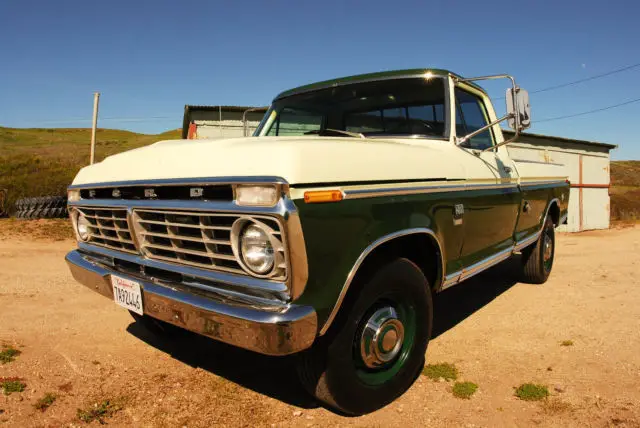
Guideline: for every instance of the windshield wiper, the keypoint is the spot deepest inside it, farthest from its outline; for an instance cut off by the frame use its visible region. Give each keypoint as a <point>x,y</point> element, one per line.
<point>329,131</point>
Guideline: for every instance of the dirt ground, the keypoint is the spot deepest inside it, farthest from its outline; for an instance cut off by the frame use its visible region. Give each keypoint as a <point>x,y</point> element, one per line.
<point>498,332</point>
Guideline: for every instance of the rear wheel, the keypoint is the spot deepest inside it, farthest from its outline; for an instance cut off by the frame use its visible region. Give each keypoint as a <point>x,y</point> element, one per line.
<point>375,352</point>
<point>537,260</point>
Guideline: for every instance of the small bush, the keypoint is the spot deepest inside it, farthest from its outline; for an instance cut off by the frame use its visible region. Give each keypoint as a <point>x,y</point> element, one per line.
<point>442,370</point>
<point>45,402</point>
<point>566,343</point>
<point>531,392</point>
<point>12,385</point>
<point>464,389</point>
<point>99,411</point>
<point>8,354</point>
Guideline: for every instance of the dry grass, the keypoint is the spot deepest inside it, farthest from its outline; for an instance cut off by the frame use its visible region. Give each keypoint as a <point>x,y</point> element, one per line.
<point>99,411</point>
<point>45,402</point>
<point>42,229</point>
<point>41,162</point>
<point>625,190</point>
<point>556,406</point>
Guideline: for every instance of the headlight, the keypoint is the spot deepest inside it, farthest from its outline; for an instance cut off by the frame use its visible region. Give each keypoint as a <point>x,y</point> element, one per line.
<point>82,227</point>
<point>256,195</point>
<point>256,250</point>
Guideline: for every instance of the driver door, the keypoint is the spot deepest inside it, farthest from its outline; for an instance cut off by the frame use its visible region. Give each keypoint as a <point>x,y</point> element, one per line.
<point>491,204</point>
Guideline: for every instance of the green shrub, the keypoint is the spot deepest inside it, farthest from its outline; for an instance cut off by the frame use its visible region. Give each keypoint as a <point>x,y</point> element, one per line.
<point>442,370</point>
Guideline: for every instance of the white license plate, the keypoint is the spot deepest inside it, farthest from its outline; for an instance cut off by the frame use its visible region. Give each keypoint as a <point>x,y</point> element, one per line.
<point>126,293</point>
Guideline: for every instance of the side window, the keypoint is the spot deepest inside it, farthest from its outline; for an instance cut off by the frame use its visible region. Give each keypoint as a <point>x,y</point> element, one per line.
<point>471,116</point>
<point>295,122</point>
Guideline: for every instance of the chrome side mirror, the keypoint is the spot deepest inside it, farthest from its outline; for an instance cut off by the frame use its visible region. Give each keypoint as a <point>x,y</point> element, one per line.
<point>518,109</point>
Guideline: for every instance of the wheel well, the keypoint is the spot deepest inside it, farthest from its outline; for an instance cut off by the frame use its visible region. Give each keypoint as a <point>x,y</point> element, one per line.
<point>420,248</point>
<point>554,213</point>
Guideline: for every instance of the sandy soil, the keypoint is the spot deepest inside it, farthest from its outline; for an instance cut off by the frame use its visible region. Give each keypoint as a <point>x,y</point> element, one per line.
<point>498,332</point>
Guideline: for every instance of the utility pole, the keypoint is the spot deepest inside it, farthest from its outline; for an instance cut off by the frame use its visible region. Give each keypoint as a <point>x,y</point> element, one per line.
<point>96,99</point>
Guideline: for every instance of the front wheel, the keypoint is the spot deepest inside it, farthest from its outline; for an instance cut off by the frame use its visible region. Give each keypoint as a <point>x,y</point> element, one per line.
<point>377,350</point>
<point>537,260</point>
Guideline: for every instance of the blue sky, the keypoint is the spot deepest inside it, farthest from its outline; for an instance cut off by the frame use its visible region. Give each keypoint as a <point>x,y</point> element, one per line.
<point>150,58</point>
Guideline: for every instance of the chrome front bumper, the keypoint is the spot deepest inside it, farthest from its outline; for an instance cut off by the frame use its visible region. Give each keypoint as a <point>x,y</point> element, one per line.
<point>280,332</point>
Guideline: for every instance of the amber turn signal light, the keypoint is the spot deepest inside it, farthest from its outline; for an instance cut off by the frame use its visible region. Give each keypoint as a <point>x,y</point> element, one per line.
<point>323,196</point>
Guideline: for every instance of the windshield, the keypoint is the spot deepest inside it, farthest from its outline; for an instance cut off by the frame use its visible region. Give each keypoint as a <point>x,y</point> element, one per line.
<point>410,106</point>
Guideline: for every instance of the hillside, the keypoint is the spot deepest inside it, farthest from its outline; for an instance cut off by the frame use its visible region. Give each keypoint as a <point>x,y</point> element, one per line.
<point>625,190</point>
<point>37,162</point>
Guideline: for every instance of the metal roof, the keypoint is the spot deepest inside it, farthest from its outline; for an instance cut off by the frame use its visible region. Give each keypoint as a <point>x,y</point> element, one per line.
<point>188,107</point>
<point>564,139</point>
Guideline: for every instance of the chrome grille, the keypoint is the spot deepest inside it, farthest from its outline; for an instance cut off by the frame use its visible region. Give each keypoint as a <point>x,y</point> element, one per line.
<point>201,239</point>
<point>109,228</point>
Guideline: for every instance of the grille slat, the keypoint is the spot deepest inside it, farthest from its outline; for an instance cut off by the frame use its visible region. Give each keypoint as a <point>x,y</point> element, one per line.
<point>193,252</point>
<point>112,238</point>
<point>190,238</point>
<point>115,229</point>
<point>109,227</point>
<point>197,226</point>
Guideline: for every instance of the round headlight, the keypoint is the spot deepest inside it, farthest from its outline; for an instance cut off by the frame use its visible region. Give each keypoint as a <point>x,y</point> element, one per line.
<point>82,226</point>
<point>256,249</point>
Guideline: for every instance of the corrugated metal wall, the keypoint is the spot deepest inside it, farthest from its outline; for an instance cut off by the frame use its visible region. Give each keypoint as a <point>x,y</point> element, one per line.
<point>208,124</point>
<point>587,166</point>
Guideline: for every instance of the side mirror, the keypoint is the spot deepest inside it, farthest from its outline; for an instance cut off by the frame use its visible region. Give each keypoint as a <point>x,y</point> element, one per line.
<point>518,109</point>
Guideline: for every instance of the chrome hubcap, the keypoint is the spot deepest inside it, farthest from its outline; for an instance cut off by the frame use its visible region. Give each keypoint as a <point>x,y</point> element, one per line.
<point>548,248</point>
<point>382,338</point>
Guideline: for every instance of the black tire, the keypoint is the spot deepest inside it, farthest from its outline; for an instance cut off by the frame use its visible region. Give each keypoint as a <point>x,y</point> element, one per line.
<point>42,207</point>
<point>537,259</point>
<point>157,327</point>
<point>334,371</point>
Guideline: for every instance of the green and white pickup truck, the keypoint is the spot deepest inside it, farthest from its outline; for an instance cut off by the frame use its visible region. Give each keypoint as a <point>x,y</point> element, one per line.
<point>327,233</point>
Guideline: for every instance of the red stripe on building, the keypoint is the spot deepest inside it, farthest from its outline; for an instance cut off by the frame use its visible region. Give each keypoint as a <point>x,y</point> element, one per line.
<point>579,186</point>
<point>590,186</point>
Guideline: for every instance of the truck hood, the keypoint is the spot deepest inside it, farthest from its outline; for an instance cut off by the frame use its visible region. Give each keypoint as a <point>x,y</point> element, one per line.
<point>299,160</point>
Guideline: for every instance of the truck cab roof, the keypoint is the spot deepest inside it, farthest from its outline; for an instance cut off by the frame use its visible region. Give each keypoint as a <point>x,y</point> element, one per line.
<point>368,77</point>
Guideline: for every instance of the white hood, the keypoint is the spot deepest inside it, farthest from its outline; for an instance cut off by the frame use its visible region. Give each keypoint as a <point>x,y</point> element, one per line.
<point>296,159</point>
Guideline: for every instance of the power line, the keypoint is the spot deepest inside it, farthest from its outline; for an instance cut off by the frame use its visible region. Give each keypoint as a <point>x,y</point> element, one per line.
<point>588,112</point>
<point>586,79</point>
<point>118,119</point>
<point>575,82</point>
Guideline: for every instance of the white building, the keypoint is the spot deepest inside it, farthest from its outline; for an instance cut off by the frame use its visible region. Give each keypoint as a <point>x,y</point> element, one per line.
<point>588,168</point>
<point>587,162</point>
<point>220,121</point>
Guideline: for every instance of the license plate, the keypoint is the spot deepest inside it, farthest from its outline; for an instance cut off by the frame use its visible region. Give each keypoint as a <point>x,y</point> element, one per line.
<point>127,294</point>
